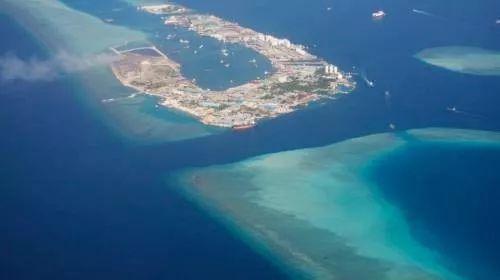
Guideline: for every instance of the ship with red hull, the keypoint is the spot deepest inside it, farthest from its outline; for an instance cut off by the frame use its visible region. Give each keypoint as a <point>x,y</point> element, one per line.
<point>243,127</point>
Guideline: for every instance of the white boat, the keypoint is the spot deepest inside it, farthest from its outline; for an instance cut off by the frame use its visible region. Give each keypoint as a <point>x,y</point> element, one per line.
<point>378,15</point>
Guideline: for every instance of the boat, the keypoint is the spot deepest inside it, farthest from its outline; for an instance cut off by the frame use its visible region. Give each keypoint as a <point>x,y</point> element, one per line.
<point>107,100</point>
<point>367,81</point>
<point>497,21</point>
<point>242,127</point>
<point>378,15</point>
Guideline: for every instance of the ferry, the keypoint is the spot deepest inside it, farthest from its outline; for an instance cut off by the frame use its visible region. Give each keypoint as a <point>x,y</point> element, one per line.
<point>378,15</point>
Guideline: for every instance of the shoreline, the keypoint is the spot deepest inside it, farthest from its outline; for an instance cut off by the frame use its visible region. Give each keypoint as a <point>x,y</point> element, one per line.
<point>130,124</point>
<point>298,77</point>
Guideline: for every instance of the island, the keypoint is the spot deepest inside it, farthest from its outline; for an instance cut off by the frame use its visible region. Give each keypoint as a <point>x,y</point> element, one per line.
<point>298,78</point>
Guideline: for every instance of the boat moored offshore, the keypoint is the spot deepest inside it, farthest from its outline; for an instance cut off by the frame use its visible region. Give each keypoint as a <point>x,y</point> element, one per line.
<point>378,15</point>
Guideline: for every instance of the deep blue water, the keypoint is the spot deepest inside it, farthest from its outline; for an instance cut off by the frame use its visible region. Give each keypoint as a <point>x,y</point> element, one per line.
<point>450,195</point>
<point>68,181</point>
<point>75,205</point>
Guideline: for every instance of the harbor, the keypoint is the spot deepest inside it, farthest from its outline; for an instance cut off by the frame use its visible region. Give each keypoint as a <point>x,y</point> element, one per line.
<point>298,77</point>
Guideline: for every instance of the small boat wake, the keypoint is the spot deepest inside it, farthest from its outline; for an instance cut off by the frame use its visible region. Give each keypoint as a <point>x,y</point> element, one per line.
<point>368,82</point>
<point>110,100</point>
<point>387,98</point>
<point>427,14</point>
<point>465,113</point>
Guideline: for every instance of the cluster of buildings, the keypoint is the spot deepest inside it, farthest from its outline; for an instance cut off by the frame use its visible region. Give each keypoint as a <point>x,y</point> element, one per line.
<point>333,70</point>
<point>299,77</point>
<point>275,49</point>
<point>275,41</point>
<point>164,9</point>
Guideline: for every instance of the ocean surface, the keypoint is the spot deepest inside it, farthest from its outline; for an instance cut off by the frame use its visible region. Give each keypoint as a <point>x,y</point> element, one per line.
<point>75,203</point>
<point>461,219</point>
<point>79,202</point>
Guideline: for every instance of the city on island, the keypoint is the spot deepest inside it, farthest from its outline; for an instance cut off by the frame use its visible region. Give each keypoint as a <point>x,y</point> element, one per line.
<point>298,77</point>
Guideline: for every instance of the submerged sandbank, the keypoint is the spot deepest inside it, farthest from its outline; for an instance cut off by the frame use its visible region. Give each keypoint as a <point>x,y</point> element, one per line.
<point>317,212</point>
<point>61,28</point>
<point>467,60</point>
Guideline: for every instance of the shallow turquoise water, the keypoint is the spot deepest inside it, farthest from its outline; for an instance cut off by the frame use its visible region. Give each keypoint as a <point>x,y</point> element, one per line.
<point>419,96</point>
<point>467,60</point>
<point>289,201</point>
